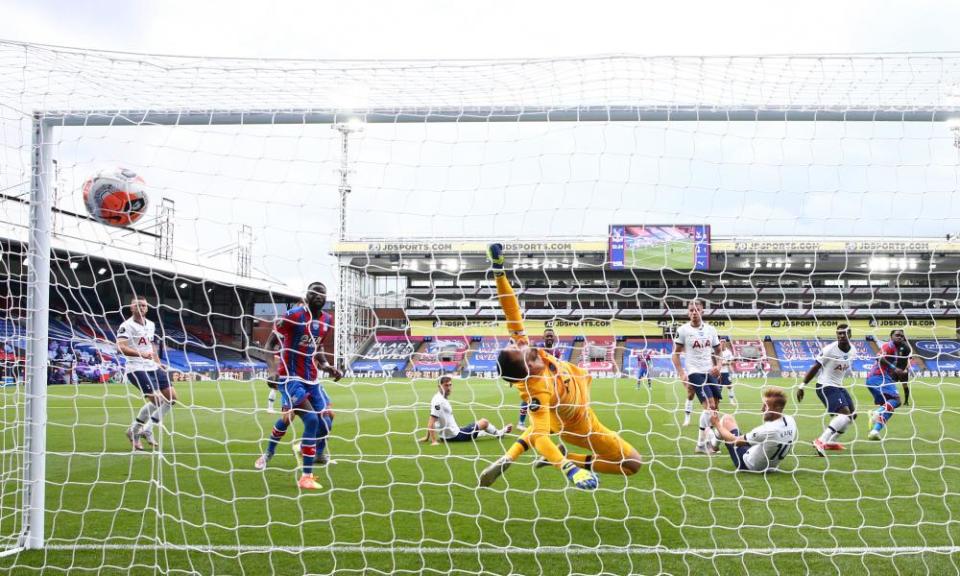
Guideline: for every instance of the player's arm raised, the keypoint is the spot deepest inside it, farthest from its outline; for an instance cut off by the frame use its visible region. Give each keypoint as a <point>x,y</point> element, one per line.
<point>508,300</point>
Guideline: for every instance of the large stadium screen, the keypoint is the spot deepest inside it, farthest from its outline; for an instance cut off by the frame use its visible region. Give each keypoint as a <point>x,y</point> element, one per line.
<point>674,246</point>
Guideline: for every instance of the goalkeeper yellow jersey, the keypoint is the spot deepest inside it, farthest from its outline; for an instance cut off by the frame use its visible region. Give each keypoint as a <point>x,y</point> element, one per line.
<point>562,387</point>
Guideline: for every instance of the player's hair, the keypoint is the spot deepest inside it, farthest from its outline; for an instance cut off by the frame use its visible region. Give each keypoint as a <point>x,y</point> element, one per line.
<point>445,379</point>
<point>696,302</point>
<point>844,328</point>
<point>549,329</point>
<point>314,285</point>
<point>895,330</point>
<point>513,367</point>
<point>776,399</point>
<point>134,299</point>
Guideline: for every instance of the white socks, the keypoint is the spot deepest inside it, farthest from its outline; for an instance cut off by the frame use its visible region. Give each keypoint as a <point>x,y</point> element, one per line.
<point>835,428</point>
<point>704,426</point>
<point>144,418</point>
<point>689,408</point>
<point>492,430</point>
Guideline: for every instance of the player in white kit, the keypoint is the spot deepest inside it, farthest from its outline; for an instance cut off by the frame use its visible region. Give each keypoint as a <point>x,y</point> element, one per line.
<point>136,341</point>
<point>763,448</point>
<point>833,364</point>
<point>443,426</point>
<point>700,346</point>
<point>726,362</point>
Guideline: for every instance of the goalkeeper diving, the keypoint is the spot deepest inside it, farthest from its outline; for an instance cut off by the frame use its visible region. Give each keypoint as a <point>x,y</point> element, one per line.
<point>558,397</point>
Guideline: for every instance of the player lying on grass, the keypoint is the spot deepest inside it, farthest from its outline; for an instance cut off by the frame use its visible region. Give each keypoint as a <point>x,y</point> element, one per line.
<point>558,396</point>
<point>301,332</point>
<point>763,448</point>
<point>442,425</point>
<point>892,366</point>
<point>834,361</point>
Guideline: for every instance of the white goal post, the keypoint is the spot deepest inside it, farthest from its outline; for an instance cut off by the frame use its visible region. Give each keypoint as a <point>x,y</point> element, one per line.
<point>346,347</point>
<point>61,110</point>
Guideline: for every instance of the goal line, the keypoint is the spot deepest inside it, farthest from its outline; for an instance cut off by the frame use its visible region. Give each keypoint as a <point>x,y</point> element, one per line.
<point>549,550</point>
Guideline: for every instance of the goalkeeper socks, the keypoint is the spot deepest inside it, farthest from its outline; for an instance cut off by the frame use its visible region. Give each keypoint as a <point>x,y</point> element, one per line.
<point>279,429</point>
<point>689,407</point>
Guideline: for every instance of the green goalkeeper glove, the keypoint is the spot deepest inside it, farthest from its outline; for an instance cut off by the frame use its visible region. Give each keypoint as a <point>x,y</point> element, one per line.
<point>582,479</point>
<point>495,256</point>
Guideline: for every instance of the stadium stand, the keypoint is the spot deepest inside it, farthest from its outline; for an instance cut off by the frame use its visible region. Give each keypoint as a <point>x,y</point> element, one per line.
<point>597,355</point>
<point>483,360</point>
<point>797,355</point>
<point>751,357</point>
<point>387,353</point>
<point>939,355</point>
<point>443,354</point>
<point>660,364</point>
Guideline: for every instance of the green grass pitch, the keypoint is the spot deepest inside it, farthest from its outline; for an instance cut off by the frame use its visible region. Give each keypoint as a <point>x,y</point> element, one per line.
<point>675,255</point>
<point>391,505</point>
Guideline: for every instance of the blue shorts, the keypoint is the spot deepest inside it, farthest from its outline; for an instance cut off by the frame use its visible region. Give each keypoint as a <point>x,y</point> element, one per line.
<point>149,381</point>
<point>293,391</point>
<point>737,452</point>
<point>835,398</point>
<point>466,434</point>
<point>706,386</point>
<point>642,372</point>
<point>725,379</point>
<point>882,388</point>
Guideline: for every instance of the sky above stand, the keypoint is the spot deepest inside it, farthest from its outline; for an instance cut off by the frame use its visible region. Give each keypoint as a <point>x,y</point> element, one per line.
<point>519,180</point>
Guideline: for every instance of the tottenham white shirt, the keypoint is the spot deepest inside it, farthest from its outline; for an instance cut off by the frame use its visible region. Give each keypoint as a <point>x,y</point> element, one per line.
<point>139,336</point>
<point>440,408</point>
<point>835,363</point>
<point>698,346</point>
<point>726,358</point>
<point>770,443</point>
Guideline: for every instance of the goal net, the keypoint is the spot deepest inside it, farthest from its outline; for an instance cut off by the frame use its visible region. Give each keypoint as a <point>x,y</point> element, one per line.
<point>790,195</point>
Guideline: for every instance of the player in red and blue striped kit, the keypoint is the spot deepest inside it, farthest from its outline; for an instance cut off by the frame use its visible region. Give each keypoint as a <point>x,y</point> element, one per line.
<point>892,366</point>
<point>301,332</point>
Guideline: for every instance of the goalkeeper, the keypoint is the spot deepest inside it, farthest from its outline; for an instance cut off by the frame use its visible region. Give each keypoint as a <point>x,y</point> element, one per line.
<point>558,396</point>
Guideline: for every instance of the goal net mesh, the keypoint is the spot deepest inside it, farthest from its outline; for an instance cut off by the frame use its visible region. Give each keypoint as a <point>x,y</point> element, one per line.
<point>824,189</point>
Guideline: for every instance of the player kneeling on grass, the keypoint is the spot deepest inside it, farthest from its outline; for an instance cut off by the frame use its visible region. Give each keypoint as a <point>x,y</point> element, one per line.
<point>763,448</point>
<point>558,396</point>
<point>834,360</point>
<point>442,425</point>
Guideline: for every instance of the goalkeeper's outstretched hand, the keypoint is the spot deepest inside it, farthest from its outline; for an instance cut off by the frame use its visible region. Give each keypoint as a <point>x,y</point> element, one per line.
<point>582,479</point>
<point>495,255</point>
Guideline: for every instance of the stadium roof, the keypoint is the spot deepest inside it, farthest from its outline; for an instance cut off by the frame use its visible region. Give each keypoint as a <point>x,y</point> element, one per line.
<point>134,258</point>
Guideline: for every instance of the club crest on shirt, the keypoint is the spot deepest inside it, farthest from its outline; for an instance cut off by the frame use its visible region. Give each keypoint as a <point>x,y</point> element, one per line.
<point>534,404</point>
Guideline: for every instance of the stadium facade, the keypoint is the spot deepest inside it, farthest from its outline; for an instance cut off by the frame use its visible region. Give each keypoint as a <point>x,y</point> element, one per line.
<point>432,306</point>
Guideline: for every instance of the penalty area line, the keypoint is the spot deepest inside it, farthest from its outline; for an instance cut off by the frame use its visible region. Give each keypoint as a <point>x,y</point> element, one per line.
<point>486,550</point>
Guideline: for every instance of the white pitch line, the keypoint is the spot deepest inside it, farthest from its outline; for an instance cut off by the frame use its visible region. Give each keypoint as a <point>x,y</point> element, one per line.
<point>551,550</point>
